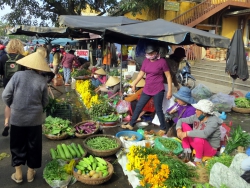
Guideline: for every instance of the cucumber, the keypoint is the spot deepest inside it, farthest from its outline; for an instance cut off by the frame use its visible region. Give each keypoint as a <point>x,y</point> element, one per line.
<point>72,151</point>
<point>66,151</point>
<point>60,151</point>
<point>53,153</point>
<point>81,149</point>
<point>78,154</point>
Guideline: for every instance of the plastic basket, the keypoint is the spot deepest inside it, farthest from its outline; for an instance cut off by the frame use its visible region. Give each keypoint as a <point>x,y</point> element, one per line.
<point>161,147</point>
<point>63,111</point>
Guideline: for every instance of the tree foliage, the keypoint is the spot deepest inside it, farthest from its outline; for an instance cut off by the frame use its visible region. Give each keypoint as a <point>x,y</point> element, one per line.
<point>28,12</point>
<point>136,6</point>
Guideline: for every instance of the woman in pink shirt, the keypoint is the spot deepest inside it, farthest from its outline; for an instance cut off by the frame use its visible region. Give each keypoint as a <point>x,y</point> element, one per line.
<point>155,69</point>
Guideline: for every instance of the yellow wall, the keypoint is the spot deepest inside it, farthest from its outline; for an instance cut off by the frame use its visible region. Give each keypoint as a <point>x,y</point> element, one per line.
<point>164,14</point>
<point>229,25</point>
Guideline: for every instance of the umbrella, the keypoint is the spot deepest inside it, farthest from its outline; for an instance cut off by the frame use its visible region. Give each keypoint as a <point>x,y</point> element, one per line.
<point>236,64</point>
<point>164,31</point>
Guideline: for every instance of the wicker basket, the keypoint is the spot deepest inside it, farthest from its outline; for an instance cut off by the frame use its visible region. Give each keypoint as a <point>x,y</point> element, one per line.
<point>86,135</point>
<point>101,153</point>
<point>54,137</point>
<point>96,181</point>
<point>241,110</point>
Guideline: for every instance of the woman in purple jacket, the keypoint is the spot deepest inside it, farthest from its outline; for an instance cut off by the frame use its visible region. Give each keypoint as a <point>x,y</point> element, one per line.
<point>155,69</point>
<point>67,63</point>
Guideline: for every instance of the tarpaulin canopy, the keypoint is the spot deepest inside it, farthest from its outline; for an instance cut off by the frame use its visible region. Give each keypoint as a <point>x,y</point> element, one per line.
<point>51,32</point>
<point>59,41</point>
<point>94,24</point>
<point>162,30</point>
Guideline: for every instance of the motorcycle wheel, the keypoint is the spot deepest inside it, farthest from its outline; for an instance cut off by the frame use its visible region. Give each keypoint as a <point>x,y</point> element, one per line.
<point>190,83</point>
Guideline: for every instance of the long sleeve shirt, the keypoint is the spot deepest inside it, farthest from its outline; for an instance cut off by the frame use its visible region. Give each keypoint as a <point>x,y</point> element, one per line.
<point>209,130</point>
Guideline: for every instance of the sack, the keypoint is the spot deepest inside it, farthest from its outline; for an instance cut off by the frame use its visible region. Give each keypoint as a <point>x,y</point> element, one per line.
<point>58,80</point>
<point>222,102</point>
<point>201,92</point>
<point>172,131</point>
<point>11,67</point>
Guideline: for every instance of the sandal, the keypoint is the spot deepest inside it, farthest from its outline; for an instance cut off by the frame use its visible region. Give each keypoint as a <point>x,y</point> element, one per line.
<point>127,126</point>
<point>31,178</point>
<point>6,130</point>
<point>161,133</point>
<point>13,177</point>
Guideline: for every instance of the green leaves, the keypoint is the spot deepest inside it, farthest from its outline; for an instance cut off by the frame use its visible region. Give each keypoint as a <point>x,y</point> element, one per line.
<point>242,102</point>
<point>224,159</point>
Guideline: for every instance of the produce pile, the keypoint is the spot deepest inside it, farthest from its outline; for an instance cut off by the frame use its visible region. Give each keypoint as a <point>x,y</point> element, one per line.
<point>57,126</point>
<point>67,152</point>
<point>84,88</point>
<point>100,109</point>
<point>92,167</point>
<point>242,102</point>
<point>114,72</point>
<point>102,143</point>
<point>109,118</point>
<point>86,128</point>
<point>82,72</point>
<point>155,168</point>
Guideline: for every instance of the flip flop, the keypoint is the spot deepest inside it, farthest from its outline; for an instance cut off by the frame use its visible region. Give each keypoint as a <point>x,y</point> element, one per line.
<point>13,177</point>
<point>31,180</point>
<point>6,131</point>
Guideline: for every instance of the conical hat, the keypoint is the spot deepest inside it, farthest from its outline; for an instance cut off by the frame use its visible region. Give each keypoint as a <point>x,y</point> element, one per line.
<point>141,83</point>
<point>35,61</point>
<point>112,81</point>
<point>100,72</point>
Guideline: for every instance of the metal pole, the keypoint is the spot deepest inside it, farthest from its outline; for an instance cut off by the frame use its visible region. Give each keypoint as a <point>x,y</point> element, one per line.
<point>233,86</point>
<point>121,72</point>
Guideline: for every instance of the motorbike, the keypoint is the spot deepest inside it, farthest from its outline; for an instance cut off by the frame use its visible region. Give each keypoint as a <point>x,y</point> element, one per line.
<point>184,76</point>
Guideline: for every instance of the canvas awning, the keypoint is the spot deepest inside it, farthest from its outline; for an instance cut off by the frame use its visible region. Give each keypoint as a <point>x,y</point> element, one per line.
<point>94,24</point>
<point>50,32</point>
<point>165,31</point>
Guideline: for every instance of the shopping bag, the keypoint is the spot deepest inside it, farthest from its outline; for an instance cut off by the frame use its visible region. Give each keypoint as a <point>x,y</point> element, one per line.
<point>58,80</point>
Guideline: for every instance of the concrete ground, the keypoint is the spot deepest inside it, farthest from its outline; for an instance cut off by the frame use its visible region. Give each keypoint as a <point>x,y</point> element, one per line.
<point>118,179</point>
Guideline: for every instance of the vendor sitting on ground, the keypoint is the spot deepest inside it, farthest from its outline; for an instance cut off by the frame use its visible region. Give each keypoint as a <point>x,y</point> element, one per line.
<point>133,99</point>
<point>182,107</point>
<point>204,137</point>
<point>111,87</point>
<point>98,77</point>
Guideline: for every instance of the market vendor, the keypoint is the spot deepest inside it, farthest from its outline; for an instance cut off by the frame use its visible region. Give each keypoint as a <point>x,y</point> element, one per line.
<point>133,99</point>
<point>205,135</point>
<point>98,77</point>
<point>111,87</point>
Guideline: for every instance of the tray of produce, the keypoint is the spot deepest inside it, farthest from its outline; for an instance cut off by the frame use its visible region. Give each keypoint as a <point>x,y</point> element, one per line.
<point>242,105</point>
<point>86,128</point>
<point>93,170</point>
<point>168,145</point>
<point>129,135</point>
<point>67,152</point>
<point>57,128</point>
<point>109,118</point>
<point>102,145</point>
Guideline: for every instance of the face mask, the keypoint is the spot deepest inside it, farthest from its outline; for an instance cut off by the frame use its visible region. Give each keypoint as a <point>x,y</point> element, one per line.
<point>151,57</point>
<point>95,76</point>
<point>201,117</point>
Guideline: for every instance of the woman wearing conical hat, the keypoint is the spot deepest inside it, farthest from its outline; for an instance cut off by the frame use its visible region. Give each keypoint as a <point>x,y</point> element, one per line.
<point>111,87</point>
<point>99,77</point>
<point>26,94</point>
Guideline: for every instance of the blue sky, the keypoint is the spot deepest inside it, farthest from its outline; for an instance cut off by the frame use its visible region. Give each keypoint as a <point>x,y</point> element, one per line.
<point>6,10</point>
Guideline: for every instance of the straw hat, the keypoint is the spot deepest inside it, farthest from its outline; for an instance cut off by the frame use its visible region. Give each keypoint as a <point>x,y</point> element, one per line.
<point>35,61</point>
<point>141,83</point>
<point>112,81</point>
<point>100,72</point>
<point>205,106</point>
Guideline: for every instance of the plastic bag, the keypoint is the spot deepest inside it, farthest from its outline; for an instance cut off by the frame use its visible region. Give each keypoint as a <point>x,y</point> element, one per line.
<point>223,133</point>
<point>122,106</point>
<point>58,80</point>
<point>161,147</point>
<point>248,95</point>
<point>201,92</point>
<point>222,102</point>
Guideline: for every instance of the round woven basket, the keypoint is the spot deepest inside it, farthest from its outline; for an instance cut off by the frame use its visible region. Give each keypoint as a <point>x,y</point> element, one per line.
<point>241,110</point>
<point>102,153</point>
<point>96,181</point>
<point>86,135</point>
<point>54,137</point>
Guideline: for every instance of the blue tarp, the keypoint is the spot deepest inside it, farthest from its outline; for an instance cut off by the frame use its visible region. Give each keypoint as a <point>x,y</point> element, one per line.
<point>59,41</point>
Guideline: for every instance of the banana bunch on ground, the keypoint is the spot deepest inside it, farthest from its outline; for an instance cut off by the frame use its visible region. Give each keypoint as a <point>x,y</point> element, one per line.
<point>3,155</point>
<point>92,167</point>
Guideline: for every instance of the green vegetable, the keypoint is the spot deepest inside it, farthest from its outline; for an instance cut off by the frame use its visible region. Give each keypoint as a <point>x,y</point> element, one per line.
<point>78,154</point>
<point>82,72</point>
<point>54,171</point>
<point>224,159</point>
<point>238,138</point>
<point>168,143</point>
<point>102,143</point>
<point>81,149</point>
<point>60,151</point>
<point>53,153</point>
<point>72,151</point>
<point>66,151</point>
<point>242,102</point>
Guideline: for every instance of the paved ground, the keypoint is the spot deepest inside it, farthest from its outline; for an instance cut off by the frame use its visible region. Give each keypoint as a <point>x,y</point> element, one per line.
<point>118,179</point>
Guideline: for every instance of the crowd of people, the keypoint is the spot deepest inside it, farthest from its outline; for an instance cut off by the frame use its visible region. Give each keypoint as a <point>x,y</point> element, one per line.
<point>193,122</point>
